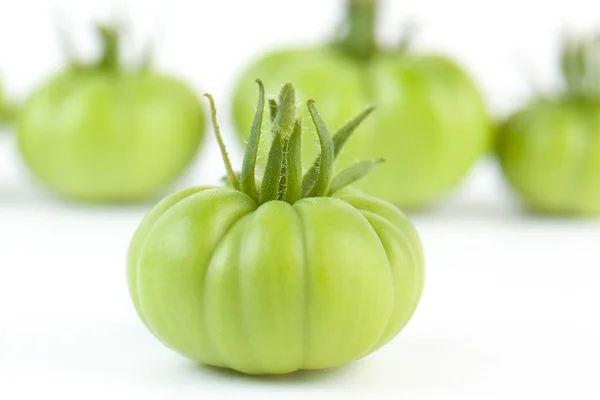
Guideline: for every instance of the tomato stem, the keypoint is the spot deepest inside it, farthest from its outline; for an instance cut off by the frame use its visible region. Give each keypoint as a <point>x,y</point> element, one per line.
<point>110,38</point>
<point>361,21</point>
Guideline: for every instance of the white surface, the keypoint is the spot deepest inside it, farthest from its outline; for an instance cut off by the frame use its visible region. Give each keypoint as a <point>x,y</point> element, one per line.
<point>510,308</point>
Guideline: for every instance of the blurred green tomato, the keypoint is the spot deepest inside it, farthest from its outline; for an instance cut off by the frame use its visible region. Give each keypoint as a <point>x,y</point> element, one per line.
<point>269,281</point>
<point>430,122</point>
<point>99,133</point>
<point>550,150</point>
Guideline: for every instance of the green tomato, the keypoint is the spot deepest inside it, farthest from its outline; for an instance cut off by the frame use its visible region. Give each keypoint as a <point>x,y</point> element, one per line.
<point>550,150</point>
<point>105,137</point>
<point>102,134</point>
<point>550,154</point>
<point>270,286</point>
<point>276,288</point>
<point>430,122</point>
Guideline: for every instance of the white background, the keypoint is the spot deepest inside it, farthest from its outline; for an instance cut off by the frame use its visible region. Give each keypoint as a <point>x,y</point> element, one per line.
<point>510,309</point>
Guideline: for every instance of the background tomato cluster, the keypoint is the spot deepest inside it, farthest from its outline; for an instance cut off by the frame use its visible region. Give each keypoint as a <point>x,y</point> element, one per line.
<point>511,299</point>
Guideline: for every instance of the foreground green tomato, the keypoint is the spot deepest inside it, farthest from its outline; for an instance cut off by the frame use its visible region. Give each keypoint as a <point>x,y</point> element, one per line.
<point>550,151</point>
<point>430,124</point>
<point>99,133</point>
<point>272,281</point>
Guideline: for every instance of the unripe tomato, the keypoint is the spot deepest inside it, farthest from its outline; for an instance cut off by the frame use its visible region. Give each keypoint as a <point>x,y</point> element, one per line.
<point>550,150</point>
<point>430,123</point>
<point>100,133</point>
<point>270,281</point>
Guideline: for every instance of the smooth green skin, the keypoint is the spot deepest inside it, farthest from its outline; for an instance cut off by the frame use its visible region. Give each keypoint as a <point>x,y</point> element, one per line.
<point>430,123</point>
<point>550,155</point>
<point>276,288</point>
<point>110,137</point>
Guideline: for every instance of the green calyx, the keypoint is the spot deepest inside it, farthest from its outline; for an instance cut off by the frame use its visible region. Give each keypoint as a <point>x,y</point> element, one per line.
<point>580,65</point>
<point>283,179</point>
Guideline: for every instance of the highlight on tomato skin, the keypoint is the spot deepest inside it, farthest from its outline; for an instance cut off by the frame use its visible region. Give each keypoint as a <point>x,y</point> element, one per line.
<point>292,270</point>
<point>101,132</point>
<point>549,151</point>
<point>431,124</point>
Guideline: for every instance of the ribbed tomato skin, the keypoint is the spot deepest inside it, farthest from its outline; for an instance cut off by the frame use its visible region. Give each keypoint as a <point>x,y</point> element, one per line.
<point>276,288</point>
